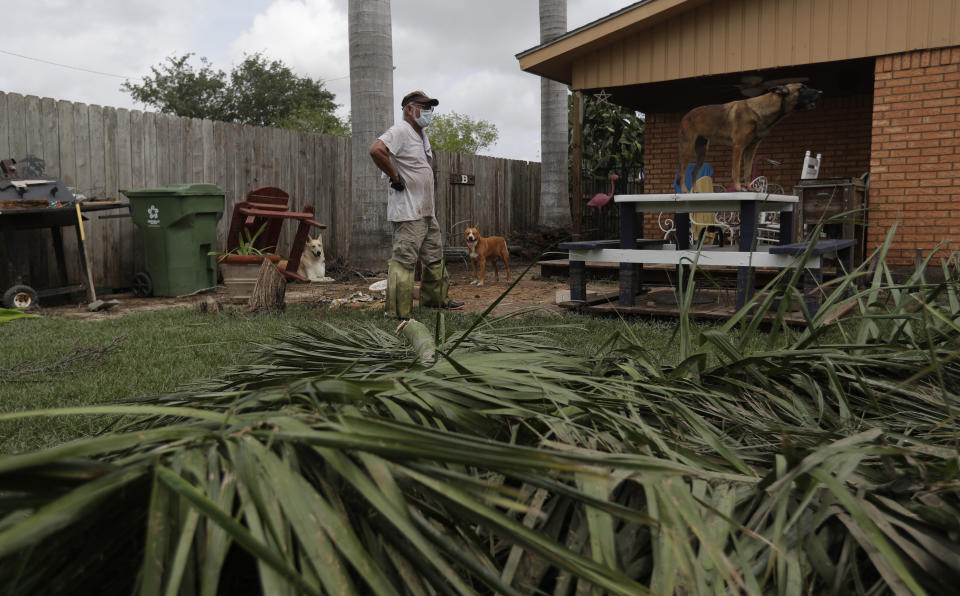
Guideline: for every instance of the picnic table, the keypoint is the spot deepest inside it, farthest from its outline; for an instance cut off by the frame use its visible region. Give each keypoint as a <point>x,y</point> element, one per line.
<point>633,251</point>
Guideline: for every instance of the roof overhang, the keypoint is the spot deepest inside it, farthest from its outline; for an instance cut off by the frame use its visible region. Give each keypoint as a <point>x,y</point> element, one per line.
<point>554,59</point>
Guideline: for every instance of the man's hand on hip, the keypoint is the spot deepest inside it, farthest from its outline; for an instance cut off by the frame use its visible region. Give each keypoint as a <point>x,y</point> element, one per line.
<point>398,184</point>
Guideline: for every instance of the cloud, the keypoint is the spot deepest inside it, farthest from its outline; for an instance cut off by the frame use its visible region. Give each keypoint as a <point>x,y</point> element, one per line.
<point>458,50</point>
<point>119,38</point>
<point>310,36</point>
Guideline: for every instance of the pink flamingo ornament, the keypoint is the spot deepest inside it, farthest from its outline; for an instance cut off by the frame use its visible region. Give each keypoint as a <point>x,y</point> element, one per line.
<point>599,200</point>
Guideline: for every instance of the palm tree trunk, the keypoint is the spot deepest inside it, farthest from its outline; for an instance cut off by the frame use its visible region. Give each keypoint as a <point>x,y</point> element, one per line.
<point>371,107</point>
<point>554,204</point>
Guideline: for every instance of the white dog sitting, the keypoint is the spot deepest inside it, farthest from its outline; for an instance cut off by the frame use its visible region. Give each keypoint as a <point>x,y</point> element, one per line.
<point>313,264</point>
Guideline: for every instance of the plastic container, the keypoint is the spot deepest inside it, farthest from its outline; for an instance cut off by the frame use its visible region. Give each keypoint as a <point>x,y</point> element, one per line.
<point>811,167</point>
<point>178,224</point>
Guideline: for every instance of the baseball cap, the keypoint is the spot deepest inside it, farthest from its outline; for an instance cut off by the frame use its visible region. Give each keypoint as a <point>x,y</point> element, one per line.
<point>419,97</point>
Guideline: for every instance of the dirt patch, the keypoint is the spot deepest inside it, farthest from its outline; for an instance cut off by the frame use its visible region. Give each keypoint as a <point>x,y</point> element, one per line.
<point>343,293</point>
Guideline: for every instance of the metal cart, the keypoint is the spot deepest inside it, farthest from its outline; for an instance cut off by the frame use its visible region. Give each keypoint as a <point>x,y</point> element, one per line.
<point>21,294</point>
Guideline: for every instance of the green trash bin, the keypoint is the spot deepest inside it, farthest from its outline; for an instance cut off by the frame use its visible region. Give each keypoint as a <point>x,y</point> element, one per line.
<point>178,223</point>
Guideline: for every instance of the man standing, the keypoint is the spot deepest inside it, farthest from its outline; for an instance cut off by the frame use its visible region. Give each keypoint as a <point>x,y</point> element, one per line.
<point>403,154</point>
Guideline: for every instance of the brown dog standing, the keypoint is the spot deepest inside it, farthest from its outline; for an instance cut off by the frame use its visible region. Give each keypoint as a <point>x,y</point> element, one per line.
<point>481,249</point>
<point>740,124</point>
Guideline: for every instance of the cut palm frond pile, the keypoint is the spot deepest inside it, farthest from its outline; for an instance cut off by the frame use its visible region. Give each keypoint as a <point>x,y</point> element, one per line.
<point>824,463</point>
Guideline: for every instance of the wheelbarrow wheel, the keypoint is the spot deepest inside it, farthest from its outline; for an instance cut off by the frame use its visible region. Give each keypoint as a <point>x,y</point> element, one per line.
<point>21,297</point>
<point>142,285</point>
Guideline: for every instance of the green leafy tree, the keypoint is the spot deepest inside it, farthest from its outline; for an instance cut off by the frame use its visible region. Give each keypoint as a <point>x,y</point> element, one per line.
<point>176,88</point>
<point>311,119</point>
<point>258,91</point>
<point>612,138</point>
<point>459,133</point>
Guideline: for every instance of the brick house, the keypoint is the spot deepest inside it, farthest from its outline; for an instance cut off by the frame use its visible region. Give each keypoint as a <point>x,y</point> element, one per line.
<point>889,69</point>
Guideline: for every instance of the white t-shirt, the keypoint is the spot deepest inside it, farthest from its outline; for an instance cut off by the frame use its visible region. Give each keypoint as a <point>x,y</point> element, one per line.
<point>410,155</point>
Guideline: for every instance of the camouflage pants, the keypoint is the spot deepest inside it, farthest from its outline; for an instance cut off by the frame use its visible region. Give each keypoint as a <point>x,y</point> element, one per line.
<point>418,238</point>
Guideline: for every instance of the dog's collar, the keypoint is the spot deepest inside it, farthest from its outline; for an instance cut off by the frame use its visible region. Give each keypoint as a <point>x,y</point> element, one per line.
<point>783,105</point>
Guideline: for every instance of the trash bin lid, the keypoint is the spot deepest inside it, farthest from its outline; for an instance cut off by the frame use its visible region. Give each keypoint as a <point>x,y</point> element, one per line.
<point>177,190</point>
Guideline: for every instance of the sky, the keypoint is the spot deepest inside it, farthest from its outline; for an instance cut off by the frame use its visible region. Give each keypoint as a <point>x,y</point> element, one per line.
<point>459,51</point>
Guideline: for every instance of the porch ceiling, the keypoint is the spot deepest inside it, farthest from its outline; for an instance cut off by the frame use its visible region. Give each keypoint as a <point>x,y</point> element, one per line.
<point>835,79</point>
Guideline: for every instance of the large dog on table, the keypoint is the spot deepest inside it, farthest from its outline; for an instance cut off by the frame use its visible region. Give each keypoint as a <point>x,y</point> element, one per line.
<point>740,124</point>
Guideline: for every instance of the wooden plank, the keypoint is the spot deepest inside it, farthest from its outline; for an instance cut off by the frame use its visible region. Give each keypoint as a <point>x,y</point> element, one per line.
<point>150,165</point>
<point>734,34</point>
<point>84,184</point>
<point>65,143</point>
<point>178,150</point>
<point>279,157</point>
<point>342,205</point>
<point>123,151</point>
<point>193,163</point>
<point>222,163</point>
<point>111,229</point>
<point>143,150</point>
<point>100,232</point>
<point>675,48</point>
<point>252,174</point>
<point>68,174</point>
<point>918,24</point>
<point>81,147</point>
<point>209,152</point>
<point>121,276</point>
<point>859,34</point>
<point>803,24</point>
<point>631,59</point>
<point>876,19</point>
<point>686,43</point>
<point>17,116</point>
<point>702,24</point>
<point>50,138</point>
<point>768,52</point>
<point>4,128</point>
<point>239,176</point>
<point>98,181</point>
<point>751,42</point>
<point>840,29</point>
<point>137,175</point>
<point>163,144</point>
<point>304,146</point>
<point>675,257</point>
<point>322,173</point>
<point>46,163</point>
<point>820,31</point>
<point>783,47</point>
<point>34,135</point>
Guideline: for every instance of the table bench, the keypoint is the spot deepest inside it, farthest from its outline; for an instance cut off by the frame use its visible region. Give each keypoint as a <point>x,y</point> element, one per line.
<point>578,268</point>
<point>839,248</point>
<point>631,254</point>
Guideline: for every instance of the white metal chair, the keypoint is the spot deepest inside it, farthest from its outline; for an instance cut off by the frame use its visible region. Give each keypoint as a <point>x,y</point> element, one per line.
<point>709,223</point>
<point>768,226</point>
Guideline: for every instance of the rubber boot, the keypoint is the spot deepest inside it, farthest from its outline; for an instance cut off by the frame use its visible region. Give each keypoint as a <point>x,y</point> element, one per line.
<point>433,285</point>
<point>399,291</point>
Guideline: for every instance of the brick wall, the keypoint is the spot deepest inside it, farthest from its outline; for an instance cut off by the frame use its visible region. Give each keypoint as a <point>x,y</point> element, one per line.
<point>838,128</point>
<point>914,177</point>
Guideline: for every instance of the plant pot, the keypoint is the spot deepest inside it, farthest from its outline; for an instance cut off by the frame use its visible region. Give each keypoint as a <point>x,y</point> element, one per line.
<point>239,273</point>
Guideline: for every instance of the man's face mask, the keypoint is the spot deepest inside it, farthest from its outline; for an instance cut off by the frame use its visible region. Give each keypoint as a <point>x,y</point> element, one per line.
<point>426,115</point>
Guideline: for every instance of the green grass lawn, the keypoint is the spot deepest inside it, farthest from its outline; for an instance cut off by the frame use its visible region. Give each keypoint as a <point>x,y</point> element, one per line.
<point>159,352</point>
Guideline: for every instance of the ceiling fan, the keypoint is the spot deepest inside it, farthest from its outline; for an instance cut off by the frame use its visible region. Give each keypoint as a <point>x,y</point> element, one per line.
<point>752,85</point>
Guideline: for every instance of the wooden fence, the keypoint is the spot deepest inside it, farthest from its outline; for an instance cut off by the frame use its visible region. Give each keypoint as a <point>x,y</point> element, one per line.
<point>99,151</point>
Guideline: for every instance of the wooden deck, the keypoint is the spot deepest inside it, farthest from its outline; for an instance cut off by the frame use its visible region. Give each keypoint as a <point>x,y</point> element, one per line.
<point>710,302</point>
<point>717,305</point>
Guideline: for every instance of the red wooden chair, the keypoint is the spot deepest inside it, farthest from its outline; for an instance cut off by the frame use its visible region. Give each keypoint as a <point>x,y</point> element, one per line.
<point>269,205</point>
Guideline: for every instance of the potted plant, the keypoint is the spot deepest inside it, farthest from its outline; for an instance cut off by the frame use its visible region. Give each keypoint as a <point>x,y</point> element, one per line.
<point>239,266</point>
